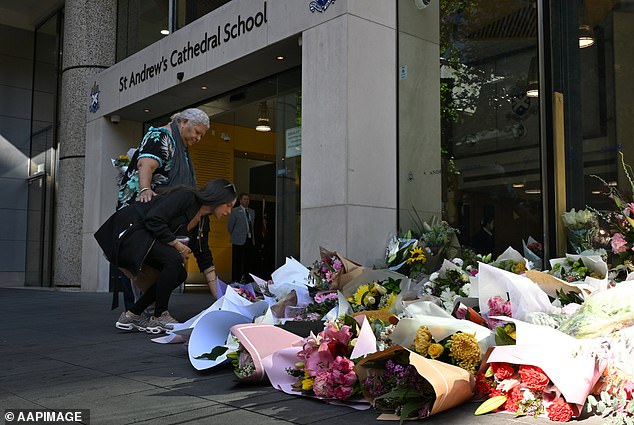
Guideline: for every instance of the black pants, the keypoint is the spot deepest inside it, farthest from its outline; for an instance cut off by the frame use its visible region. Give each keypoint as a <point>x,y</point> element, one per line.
<point>242,261</point>
<point>172,273</point>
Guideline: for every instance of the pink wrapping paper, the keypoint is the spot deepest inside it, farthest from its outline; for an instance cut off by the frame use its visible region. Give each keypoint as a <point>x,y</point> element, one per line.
<point>262,340</point>
<point>574,376</point>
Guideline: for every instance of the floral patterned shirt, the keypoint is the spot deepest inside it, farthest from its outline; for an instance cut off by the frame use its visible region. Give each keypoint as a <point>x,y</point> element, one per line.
<point>157,144</point>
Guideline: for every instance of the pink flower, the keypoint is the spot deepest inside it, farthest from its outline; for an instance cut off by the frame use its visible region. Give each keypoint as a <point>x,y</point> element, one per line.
<point>337,265</point>
<point>619,244</point>
<point>340,392</point>
<point>320,385</point>
<point>331,332</point>
<point>330,276</point>
<point>473,272</point>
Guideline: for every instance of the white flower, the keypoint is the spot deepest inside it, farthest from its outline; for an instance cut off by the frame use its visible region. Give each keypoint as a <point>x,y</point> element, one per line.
<point>392,247</point>
<point>448,296</point>
<point>466,289</point>
<point>434,276</point>
<point>458,261</point>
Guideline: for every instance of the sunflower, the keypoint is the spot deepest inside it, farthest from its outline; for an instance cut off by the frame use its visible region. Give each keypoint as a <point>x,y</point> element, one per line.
<point>360,294</point>
<point>416,256</point>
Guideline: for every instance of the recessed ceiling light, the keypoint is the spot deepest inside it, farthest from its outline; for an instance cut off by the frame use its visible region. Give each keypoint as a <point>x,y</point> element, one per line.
<point>612,183</point>
<point>165,32</point>
<point>533,191</point>
<point>596,192</point>
<point>146,110</point>
<point>203,87</point>
<point>517,185</point>
<point>280,58</point>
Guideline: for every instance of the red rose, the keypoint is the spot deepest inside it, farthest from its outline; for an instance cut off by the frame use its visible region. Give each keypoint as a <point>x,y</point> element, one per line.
<point>514,397</point>
<point>559,411</point>
<point>502,371</point>
<point>533,377</point>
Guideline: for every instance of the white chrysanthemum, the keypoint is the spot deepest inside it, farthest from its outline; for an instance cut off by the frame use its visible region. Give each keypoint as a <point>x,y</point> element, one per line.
<point>434,276</point>
<point>466,289</point>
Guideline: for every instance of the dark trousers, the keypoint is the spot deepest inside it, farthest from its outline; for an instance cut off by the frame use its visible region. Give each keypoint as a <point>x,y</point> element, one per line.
<point>242,261</point>
<point>172,273</point>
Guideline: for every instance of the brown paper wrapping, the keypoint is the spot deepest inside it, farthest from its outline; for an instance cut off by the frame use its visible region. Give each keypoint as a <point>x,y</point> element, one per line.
<point>349,271</point>
<point>452,385</point>
<point>384,315</point>
<point>550,284</point>
<point>290,299</point>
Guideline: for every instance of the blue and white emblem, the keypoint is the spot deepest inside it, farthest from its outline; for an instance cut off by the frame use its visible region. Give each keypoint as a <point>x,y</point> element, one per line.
<point>94,98</point>
<point>320,5</point>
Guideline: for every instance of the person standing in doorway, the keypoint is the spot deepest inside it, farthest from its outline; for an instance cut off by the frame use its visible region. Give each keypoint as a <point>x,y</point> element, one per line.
<point>240,227</point>
<point>483,242</point>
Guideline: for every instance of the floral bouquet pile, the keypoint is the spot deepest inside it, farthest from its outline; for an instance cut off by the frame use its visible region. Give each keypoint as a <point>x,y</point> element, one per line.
<point>511,261</point>
<point>460,349</point>
<point>408,385</point>
<point>522,389</point>
<point>323,302</point>
<point>441,241</point>
<point>449,283</point>
<point>582,227</point>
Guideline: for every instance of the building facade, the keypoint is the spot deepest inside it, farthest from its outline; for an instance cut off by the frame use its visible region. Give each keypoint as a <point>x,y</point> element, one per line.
<point>379,113</point>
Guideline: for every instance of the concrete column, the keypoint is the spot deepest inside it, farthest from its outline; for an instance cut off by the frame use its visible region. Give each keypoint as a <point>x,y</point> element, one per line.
<point>89,47</point>
<point>348,195</point>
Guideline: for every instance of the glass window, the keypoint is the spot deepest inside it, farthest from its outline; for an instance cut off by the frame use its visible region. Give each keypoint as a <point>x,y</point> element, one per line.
<point>485,125</point>
<point>188,11</point>
<point>139,24</point>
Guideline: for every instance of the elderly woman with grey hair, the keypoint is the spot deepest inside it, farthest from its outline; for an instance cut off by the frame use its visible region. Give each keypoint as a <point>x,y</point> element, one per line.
<point>162,161</point>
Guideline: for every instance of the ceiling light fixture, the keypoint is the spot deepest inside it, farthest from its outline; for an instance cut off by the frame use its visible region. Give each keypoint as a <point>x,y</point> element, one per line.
<point>279,58</point>
<point>165,32</point>
<point>586,36</point>
<point>518,185</point>
<point>533,191</point>
<point>532,88</point>
<point>263,118</point>
<point>203,87</point>
<point>146,110</point>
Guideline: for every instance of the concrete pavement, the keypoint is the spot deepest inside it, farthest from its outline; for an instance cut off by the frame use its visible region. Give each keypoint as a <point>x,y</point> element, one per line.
<point>60,350</point>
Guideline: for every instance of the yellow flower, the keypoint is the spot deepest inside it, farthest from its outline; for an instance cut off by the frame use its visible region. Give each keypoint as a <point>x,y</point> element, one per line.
<point>416,256</point>
<point>465,350</point>
<point>422,340</point>
<point>307,384</point>
<point>519,267</point>
<point>435,350</point>
<point>509,329</point>
<point>125,157</point>
<point>360,293</point>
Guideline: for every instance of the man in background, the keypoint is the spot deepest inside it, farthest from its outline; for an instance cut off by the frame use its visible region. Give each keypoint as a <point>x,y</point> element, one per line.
<point>240,227</point>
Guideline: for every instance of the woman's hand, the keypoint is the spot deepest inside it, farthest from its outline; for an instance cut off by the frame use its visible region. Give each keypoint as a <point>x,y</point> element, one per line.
<point>146,195</point>
<point>182,249</point>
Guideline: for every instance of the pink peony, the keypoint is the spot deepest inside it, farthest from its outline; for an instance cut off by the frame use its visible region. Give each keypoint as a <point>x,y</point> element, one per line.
<point>619,244</point>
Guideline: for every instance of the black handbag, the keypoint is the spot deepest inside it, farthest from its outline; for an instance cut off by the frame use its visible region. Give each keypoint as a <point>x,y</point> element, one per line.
<point>123,238</point>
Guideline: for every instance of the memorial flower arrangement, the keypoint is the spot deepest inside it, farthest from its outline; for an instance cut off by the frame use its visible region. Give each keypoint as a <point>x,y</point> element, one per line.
<point>121,163</point>
<point>323,302</point>
<point>570,270</point>
<point>405,255</point>
<point>324,271</point>
<point>460,349</point>
<point>242,362</point>
<point>582,228</point>
<point>324,368</point>
<point>521,389</point>
<point>449,283</point>
<point>375,295</point>
<point>396,386</point>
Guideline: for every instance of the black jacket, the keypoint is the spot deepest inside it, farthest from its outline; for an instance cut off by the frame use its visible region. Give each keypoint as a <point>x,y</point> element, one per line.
<point>129,234</point>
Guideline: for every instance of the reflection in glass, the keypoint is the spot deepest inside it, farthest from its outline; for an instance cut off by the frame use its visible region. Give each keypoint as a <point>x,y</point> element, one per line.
<point>490,137</point>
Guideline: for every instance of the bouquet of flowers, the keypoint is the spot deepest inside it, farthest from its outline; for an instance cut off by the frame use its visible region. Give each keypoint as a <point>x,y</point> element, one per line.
<point>534,252</point>
<point>323,302</point>
<point>582,227</point>
<point>122,162</point>
<point>441,241</point>
<point>325,369</point>
<point>405,255</point>
<point>375,295</point>
<point>333,271</point>
<point>522,389</point>
<point>460,349</point>
<point>449,283</point>
<point>400,381</point>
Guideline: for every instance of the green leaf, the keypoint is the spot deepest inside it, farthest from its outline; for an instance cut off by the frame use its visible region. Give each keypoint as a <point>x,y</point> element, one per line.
<point>409,408</point>
<point>490,405</point>
<point>214,354</point>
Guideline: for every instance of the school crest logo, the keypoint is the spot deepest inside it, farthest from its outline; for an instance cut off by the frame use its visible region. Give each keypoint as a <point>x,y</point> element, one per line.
<point>94,98</point>
<point>320,5</point>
